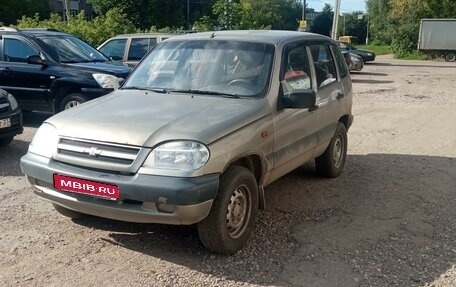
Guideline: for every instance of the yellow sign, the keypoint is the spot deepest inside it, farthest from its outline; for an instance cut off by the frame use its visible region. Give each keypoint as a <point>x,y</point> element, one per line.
<point>303,24</point>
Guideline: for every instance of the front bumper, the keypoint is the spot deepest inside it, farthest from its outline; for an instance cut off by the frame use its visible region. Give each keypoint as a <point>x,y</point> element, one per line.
<point>16,127</point>
<point>143,198</point>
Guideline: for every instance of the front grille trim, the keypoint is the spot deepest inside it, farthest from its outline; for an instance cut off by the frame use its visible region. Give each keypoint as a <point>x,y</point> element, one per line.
<point>100,155</point>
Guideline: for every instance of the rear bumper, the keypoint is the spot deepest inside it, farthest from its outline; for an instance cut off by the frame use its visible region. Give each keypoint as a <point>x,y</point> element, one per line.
<point>143,198</point>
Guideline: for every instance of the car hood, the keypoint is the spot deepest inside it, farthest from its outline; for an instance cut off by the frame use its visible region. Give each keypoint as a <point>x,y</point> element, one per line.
<point>118,70</point>
<point>142,118</point>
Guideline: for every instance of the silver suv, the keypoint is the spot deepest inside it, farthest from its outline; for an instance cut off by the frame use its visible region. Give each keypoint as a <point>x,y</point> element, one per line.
<point>195,134</point>
<point>131,48</point>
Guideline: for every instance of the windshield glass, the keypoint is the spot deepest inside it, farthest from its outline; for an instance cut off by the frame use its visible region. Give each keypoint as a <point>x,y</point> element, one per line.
<point>70,49</point>
<point>206,66</point>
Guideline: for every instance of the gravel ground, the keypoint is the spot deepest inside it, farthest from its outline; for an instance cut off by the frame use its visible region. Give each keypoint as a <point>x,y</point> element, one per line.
<point>388,220</point>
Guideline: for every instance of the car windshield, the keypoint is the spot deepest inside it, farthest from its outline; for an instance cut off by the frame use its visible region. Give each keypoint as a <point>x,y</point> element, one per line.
<point>209,67</point>
<point>69,49</point>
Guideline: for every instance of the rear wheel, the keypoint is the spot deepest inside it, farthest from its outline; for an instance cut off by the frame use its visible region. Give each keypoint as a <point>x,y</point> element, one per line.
<point>72,100</point>
<point>6,141</point>
<point>68,212</point>
<point>331,163</point>
<point>233,213</point>
<point>450,57</point>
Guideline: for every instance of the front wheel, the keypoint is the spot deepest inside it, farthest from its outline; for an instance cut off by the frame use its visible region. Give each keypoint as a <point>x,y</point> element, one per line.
<point>233,214</point>
<point>331,163</point>
<point>450,57</point>
<point>72,100</point>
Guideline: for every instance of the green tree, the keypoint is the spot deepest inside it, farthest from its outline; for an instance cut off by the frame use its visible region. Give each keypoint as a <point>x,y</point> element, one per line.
<point>12,10</point>
<point>353,24</point>
<point>94,32</point>
<point>323,22</point>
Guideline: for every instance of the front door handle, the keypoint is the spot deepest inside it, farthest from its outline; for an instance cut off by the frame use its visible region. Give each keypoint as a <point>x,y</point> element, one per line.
<point>5,70</point>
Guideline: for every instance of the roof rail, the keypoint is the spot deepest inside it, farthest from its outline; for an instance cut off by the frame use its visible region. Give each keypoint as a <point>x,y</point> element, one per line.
<point>40,29</point>
<point>8,29</point>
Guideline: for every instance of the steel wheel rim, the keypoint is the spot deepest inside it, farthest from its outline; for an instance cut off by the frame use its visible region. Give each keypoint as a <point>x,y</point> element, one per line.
<point>338,152</point>
<point>451,57</point>
<point>238,213</point>
<point>71,104</point>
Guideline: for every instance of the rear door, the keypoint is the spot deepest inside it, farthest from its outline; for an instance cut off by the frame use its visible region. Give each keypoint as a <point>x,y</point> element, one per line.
<point>330,88</point>
<point>29,83</point>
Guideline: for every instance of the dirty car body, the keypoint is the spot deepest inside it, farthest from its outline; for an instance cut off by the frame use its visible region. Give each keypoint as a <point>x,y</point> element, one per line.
<point>203,124</point>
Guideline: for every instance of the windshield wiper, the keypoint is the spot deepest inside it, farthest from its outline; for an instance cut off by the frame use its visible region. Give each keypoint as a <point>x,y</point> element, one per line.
<point>202,92</point>
<point>157,90</point>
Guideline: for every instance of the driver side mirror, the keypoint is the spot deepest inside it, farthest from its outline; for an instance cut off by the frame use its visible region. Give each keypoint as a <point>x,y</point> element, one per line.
<point>36,60</point>
<point>298,99</point>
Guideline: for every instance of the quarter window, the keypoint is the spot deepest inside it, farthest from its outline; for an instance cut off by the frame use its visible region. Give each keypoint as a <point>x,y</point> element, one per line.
<point>17,51</point>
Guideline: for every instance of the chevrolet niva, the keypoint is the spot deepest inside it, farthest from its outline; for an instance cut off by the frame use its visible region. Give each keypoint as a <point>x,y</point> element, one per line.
<point>203,124</point>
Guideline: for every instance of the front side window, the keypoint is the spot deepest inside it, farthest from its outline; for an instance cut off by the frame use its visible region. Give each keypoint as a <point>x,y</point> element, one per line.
<point>297,72</point>
<point>325,68</point>
<point>15,50</point>
<point>207,67</point>
<point>114,49</point>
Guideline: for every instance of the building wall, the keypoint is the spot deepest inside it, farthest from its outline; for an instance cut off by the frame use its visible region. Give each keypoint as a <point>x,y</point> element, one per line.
<point>75,6</point>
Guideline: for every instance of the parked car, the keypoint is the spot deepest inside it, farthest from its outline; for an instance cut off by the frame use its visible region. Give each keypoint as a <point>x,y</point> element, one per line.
<point>202,125</point>
<point>10,118</point>
<point>354,62</point>
<point>367,56</point>
<point>49,70</point>
<point>129,49</point>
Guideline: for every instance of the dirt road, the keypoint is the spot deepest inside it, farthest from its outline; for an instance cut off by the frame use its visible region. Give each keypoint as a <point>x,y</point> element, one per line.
<point>389,220</point>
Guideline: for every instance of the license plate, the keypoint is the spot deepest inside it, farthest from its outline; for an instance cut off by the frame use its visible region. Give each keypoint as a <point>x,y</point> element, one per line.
<point>5,123</point>
<point>87,187</point>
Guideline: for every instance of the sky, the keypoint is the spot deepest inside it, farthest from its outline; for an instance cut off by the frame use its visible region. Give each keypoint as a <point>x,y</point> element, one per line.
<point>346,6</point>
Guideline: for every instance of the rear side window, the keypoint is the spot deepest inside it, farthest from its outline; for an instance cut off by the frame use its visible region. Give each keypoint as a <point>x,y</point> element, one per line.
<point>139,47</point>
<point>340,62</point>
<point>15,50</point>
<point>114,49</point>
<point>325,68</point>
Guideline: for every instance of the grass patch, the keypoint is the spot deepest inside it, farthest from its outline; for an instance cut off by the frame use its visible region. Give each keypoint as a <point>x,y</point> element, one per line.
<point>377,49</point>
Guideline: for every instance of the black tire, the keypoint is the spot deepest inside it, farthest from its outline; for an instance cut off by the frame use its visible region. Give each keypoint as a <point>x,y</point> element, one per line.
<point>331,163</point>
<point>450,57</point>
<point>233,214</point>
<point>71,100</point>
<point>6,141</point>
<point>69,213</point>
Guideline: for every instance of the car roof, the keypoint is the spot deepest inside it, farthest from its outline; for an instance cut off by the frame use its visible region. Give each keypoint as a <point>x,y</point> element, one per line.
<point>145,35</point>
<point>33,31</point>
<point>269,36</point>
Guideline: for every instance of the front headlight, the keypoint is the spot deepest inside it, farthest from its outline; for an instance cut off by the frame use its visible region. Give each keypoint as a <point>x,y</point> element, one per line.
<point>12,102</point>
<point>369,54</point>
<point>107,81</point>
<point>45,141</point>
<point>180,155</point>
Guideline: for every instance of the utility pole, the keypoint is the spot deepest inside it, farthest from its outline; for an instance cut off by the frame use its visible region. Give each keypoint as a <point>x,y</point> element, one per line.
<point>335,20</point>
<point>67,11</point>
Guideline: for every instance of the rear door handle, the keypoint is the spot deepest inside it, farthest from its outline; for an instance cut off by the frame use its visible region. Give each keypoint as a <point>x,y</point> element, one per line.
<point>340,96</point>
